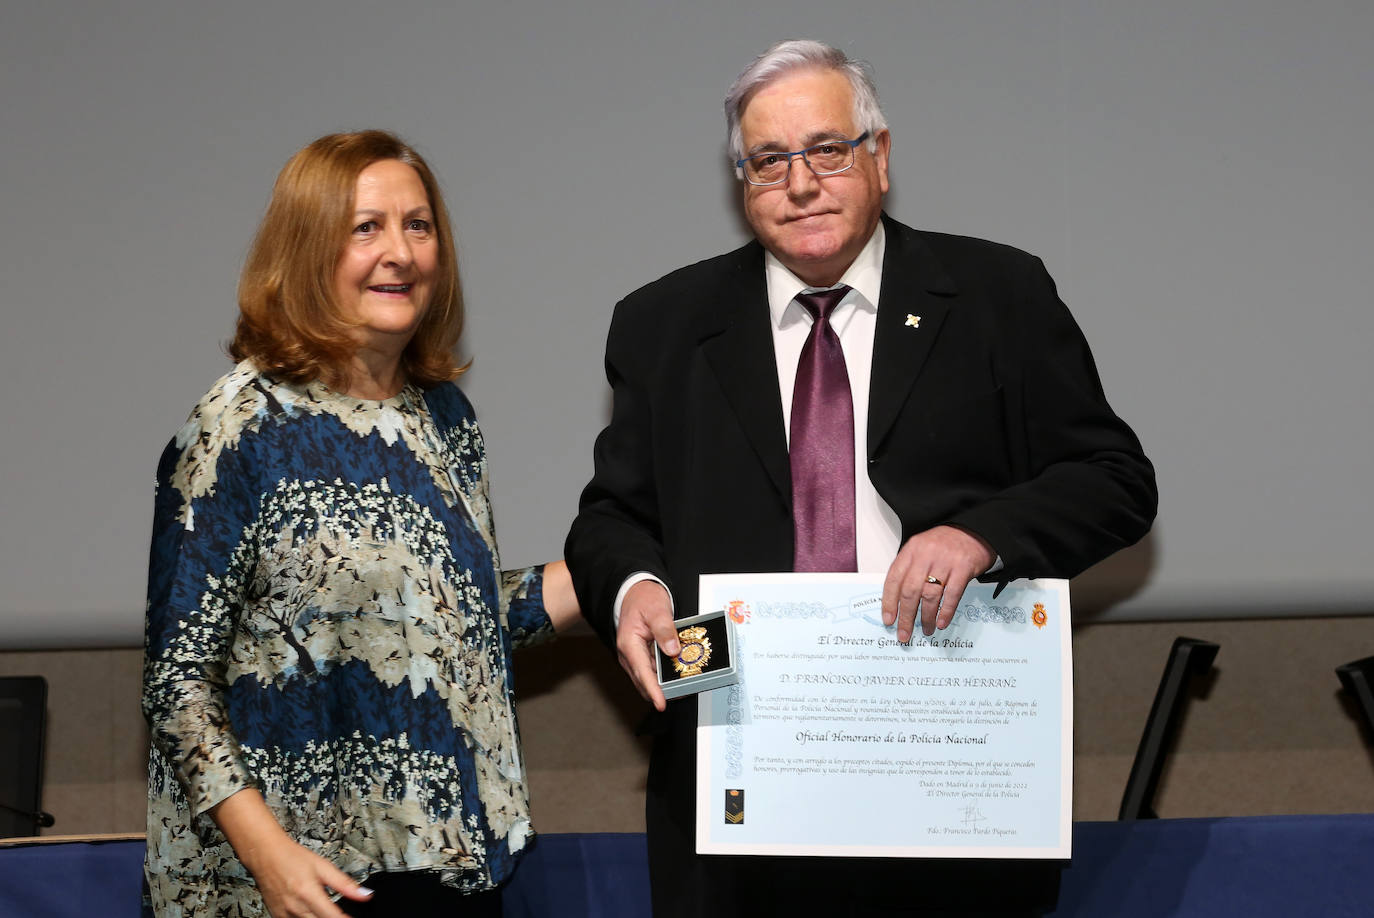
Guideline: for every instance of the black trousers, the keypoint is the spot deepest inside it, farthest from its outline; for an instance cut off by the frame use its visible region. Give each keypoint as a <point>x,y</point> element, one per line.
<point>421,895</point>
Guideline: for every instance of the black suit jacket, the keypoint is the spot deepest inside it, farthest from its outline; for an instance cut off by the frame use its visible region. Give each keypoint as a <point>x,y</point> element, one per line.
<point>988,415</point>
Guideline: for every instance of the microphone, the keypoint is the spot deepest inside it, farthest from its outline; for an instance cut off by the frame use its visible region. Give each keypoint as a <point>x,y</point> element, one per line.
<point>40,819</point>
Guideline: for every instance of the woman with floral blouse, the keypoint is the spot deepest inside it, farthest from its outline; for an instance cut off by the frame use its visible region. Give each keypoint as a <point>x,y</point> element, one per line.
<point>327,671</point>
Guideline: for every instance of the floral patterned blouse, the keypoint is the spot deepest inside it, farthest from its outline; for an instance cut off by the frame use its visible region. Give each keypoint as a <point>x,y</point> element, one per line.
<point>328,622</point>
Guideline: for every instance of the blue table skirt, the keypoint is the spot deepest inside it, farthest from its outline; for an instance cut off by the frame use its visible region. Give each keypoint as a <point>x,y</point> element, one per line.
<point>1279,866</point>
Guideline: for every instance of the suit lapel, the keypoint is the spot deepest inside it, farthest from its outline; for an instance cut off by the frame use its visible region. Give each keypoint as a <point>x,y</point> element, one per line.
<point>915,298</point>
<point>738,344</point>
<point>737,341</point>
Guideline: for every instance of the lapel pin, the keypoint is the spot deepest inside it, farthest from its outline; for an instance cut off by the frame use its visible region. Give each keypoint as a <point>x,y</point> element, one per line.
<point>913,321</point>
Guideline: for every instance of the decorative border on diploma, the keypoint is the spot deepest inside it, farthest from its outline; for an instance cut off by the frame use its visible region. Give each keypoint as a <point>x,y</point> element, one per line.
<point>731,796</point>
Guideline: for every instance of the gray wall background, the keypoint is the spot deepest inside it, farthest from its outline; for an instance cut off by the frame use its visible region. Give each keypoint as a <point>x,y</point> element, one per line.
<point>1195,173</point>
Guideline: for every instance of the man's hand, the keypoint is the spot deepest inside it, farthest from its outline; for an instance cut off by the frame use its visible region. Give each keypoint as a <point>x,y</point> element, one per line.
<point>646,618</point>
<point>948,554</point>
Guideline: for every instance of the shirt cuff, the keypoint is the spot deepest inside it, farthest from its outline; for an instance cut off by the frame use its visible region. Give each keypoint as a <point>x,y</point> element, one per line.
<point>638,577</point>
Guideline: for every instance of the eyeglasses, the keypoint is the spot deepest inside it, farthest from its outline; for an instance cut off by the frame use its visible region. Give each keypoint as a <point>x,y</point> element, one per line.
<point>829,158</point>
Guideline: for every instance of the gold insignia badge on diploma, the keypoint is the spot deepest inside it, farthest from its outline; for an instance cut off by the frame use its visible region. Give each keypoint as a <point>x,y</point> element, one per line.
<point>734,806</point>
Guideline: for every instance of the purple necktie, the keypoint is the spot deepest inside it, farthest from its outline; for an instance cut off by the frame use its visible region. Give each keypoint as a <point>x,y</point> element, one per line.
<point>821,447</point>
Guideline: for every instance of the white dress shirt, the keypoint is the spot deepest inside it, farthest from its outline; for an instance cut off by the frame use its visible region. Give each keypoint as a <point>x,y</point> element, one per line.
<point>878,531</point>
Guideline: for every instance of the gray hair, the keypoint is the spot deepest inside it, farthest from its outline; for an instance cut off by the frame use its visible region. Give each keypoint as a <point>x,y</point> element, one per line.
<point>787,57</point>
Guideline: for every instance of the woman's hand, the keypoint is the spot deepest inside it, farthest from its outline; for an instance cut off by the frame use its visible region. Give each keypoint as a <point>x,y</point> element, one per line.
<point>291,878</point>
<point>292,881</point>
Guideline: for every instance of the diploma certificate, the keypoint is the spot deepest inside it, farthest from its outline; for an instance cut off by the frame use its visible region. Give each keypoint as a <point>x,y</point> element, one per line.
<point>839,741</point>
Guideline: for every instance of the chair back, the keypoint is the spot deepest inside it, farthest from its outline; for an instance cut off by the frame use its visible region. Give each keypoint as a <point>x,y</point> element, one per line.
<point>23,713</point>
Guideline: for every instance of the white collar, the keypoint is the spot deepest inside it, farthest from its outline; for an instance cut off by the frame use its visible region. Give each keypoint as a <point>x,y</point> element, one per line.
<point>864,274</point>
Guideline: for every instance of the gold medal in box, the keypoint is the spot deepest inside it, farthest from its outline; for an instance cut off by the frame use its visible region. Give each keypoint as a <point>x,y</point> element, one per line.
<point>705,659</point>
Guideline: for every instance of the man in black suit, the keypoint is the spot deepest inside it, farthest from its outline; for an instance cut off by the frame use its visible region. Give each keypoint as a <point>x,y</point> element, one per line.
<point>987,448</point>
